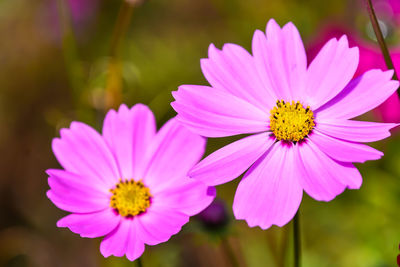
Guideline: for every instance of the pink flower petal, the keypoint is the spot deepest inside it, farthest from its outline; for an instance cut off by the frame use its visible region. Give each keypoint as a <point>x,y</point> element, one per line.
<point>189,196</point>
<point>355,131</point>
<point>91,225</point>
<point>72,193</point>
<point>89,182</point>
<point>232,160</point>
<point>270,192</point>
<point>281,61</point>
<point>135,245</point>
<point>128,133</point>
<point>360,95</point>
<point>344,150</point>
<point>232,70</point>
<point>214,113</point>
<point>82,150</point>
<point>123,240</point>
<point>260,55</point>
<point>330,71</point>
<point>172,153</point>
<point>160,222</point>
<point>322,177</point>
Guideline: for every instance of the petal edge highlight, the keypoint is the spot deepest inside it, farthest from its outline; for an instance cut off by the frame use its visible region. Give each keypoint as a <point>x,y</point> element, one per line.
<point>355,131</point>
<point>343,150</point>
<point>232,160</point>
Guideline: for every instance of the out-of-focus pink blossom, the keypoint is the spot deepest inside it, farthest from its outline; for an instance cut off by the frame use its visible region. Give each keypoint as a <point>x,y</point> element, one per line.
<point>386,10</point>
<point>82,11</point>
<point>395,5</point>
<point>370,58</point>
<point>214,216</point>
<point>82,15</point>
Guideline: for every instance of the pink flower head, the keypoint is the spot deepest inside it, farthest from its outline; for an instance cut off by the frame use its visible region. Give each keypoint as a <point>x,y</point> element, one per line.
<point>129,184</point>
<point>298,116</point>
<point>370,58</point>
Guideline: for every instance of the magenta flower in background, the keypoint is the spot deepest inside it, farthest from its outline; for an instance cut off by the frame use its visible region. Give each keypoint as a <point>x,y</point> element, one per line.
<point>387,9</point>
<point>298,116</point>
<point>129,184</point>
<point>82,15</point>
<point>395,5</point>
<point>215,216</point>
<point>83,11</point>
<point>370,58</point>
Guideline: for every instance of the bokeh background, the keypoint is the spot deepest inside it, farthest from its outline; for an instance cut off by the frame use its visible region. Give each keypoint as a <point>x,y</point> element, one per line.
<point>57,65</point>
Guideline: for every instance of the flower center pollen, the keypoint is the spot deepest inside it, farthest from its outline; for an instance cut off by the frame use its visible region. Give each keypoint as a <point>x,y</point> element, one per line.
<point>291,121</point>
<point>130,198</point>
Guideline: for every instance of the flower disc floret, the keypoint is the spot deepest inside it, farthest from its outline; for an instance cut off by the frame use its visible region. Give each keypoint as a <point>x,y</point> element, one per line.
<point>130,198</point>
<point>291,121</point>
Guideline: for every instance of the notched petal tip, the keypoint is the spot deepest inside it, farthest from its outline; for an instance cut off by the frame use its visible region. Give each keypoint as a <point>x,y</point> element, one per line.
<point>51,195</point>
<point>344,39</point>
<point>212,50</point>
<point>140,106</point>
<point>75,125</point>
<point>61,223</point>
<point>52,172</point>
<point>393,125</point>
<point>389,71</point>
<point>272,25</point>
<point>175,94</point>
<point>54,143</point>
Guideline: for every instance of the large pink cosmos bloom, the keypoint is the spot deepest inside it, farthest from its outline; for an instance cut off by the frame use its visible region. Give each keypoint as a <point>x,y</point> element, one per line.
<point>129,184</point>
<point>294,146</point>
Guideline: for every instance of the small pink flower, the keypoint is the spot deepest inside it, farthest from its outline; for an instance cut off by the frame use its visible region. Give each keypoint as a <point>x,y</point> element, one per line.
<point>370,58</point>
<point>298,118</point>
<point>129,184</point>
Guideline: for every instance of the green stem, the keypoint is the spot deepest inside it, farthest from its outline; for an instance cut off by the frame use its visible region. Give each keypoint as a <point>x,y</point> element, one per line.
<point>139,262</point>
<point>121,26</point>
<point>69,48</point>
<point>381,40</point>
<point>296,239</point>
<point>114,80</point>
<point>284,245</point>
<point>227,247</point>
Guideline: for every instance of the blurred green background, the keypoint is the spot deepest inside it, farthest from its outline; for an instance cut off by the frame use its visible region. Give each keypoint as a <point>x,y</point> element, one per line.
<point>56,68</point>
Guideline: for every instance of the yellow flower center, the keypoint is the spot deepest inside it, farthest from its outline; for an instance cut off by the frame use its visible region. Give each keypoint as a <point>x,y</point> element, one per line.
<point>130,198</point>
<point>291,121</point>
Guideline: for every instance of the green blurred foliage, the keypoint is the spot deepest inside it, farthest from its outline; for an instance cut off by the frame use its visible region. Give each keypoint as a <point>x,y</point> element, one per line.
<point>45,86</point>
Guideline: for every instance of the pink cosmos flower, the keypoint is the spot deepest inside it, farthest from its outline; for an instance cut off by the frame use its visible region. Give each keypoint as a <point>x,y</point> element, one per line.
<point>129,184</point>
<point>298,118</point>
<point>370,58</point>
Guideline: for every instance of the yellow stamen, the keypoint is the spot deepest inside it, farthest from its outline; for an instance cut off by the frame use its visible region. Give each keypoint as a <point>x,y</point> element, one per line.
<point>291,121</point>
<point>130,198</point>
